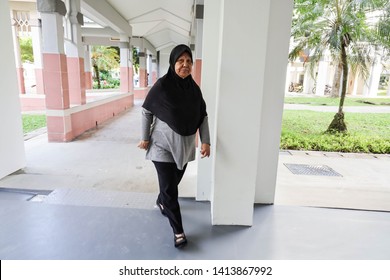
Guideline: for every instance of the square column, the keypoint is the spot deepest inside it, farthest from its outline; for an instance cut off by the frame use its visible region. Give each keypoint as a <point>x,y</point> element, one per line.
<point>276,46</point>
<point>87,67</point>
<point>37,51</point>
<point>54,62</point>
<point>197,71</point>
<point>246,120</point>
<point>126,68</point>
<point>154,70</point>
<point>55,74</point>
<point>143,75</point>
<point>18,61</point>
<point>75,55</point>
<point>371,87</point>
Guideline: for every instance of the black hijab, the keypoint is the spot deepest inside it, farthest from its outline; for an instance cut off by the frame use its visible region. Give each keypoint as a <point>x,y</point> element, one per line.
<point>175,100</point>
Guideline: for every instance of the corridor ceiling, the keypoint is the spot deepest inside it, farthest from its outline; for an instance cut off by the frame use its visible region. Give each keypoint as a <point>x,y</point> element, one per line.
<point>164,23</point>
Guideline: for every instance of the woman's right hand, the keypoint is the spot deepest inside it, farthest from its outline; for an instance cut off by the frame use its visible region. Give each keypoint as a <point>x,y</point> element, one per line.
<point>143,144</point>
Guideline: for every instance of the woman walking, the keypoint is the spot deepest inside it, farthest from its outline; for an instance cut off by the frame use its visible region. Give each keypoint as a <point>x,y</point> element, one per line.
<point>173,111</point>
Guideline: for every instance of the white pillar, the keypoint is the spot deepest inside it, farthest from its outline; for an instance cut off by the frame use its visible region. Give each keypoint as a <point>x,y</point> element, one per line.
<point>87,68</point>
<point>18,61</point>
<point>248,101</point>
<point>149,69</point>
<point>308,82</point>
<point>36,35</point>
<point>11,141</point>
<point>388,90</point>
<point>355,84</point>
<point>276,42</point>
<point>321,77</point>
<point>210,86</point>
<point>371,86</point>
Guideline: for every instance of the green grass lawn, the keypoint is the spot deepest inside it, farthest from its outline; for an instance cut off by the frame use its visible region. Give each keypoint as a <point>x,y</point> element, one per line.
<point>304,130</point>
<point>33,122</point>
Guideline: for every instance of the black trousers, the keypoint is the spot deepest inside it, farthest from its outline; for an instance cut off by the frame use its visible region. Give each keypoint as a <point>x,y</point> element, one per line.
<point>169,177</point>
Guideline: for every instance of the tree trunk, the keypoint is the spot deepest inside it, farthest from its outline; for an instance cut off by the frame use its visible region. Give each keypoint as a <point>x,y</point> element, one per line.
<point>338,123</point>
<point>336,81</point>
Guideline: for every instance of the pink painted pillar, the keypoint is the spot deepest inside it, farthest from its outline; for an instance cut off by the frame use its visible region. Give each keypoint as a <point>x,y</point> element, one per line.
<point>55,75</point>
<point>197,47</point>
<point>87,68</point>
<point>197,70</point>
<point>37,51</point>
<point>76,76</point>
<point>154,70</point>
<point>143,75</point>
<point>75,55</point>
<point>18,62</point>
<point>126,68</point>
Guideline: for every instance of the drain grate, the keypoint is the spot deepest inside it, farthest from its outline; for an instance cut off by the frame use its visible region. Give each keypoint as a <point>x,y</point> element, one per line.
<point>317,170</point>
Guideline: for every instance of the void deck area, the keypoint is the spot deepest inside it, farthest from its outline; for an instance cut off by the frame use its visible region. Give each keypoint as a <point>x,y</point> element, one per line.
<point>94,199</point>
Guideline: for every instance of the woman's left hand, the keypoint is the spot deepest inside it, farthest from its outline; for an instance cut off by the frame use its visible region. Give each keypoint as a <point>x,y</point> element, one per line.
<point>205,150</point>
<point>143,144</point>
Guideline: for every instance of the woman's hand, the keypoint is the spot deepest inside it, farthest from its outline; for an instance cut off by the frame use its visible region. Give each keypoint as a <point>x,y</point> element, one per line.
<point>143,144</point>
<point>205,150</point>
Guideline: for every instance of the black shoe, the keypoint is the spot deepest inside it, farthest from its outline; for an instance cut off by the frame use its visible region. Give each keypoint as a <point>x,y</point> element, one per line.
<point>161,207</point>
<point>180,240</point>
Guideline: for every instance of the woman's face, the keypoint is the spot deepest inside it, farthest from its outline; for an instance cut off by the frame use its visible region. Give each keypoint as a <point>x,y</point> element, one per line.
<point>183,65</point>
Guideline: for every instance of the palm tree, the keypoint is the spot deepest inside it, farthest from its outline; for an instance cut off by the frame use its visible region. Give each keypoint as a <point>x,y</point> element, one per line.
<point>103,58</point>
<point>344,29</point>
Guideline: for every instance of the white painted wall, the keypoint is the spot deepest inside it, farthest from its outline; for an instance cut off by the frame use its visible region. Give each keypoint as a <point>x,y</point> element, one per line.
<point>12,157</point>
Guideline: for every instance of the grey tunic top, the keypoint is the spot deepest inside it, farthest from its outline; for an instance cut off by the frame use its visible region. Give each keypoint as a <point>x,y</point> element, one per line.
<point>168,146</point>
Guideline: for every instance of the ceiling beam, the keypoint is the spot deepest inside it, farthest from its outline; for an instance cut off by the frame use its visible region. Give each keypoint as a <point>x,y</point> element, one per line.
<point>102,12</point>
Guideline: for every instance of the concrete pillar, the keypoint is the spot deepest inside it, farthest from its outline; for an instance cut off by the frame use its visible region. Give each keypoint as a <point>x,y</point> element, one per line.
<point>210,87</point>
<point>246,119</point>
<point>16,50</point>
<point>75,55</point>
<point>154,71</point>
<point>37,51</point>
<point>87,67</point>
<point>323,68</point>
<point>309,82</point>
<point>55,74</point>
<point>149,69</point>
<point>126,68</point>
<point>11,141</point>
<point>197,70</point>
<point>163,65</point>
<point>275,41</point>
<point>372,84</point>
<point>142,71</point>
<point>388,90</point>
